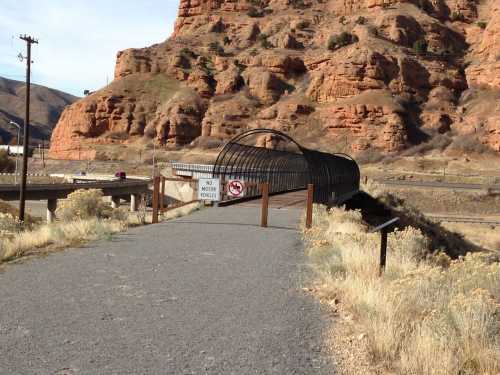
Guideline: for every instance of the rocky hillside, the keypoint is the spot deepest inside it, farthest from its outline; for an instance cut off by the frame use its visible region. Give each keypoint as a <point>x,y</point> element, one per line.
<point>351,74</point>
<point>46,108</point>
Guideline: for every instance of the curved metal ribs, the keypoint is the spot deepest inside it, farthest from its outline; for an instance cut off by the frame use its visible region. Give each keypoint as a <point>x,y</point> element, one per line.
<point>335,176</point>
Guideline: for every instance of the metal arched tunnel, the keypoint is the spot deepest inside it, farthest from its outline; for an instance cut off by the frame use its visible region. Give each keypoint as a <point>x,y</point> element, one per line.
<point>335,177</point>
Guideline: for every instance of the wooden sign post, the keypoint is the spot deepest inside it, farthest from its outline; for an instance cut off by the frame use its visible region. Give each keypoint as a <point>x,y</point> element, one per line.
<point>309,208</point>
<point>162,194</point>
<point>264,187</point>
<point>156,193</point>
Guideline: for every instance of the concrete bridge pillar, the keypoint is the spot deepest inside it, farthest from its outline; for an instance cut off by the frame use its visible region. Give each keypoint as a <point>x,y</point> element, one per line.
<point>51,210</point>
<point>134,202</point>
<point>115,202</point>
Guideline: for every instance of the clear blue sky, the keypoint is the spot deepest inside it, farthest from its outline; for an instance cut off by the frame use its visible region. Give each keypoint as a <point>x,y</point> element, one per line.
<point>79,39</point>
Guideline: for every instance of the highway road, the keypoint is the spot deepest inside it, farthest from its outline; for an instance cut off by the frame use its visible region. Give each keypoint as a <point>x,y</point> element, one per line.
<point>211,293</point>
<point>436,184</point>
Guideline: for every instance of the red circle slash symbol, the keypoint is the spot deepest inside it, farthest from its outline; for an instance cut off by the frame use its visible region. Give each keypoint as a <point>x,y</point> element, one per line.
<point>236,188</point>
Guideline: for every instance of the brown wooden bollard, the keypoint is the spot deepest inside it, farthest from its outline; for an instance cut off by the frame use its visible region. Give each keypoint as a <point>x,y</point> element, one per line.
<point>156,193</point>
<point>264,188</point>
<point>309,208</point>
<point>383,250</point>
<point>162,193</point>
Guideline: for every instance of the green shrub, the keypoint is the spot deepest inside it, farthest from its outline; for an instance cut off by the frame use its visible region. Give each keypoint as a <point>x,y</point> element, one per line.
<point>482,24</point>
<point>6,164</point>
<point>226,40</point>
<point>420,46</point>
<point>302,25</point>
<point>217,48</point>
<point>186,51</point>
<point>264,43</point>
<point>361,20</point>
<point>298,4</point>
<point>341,40</point>
<point>457,16</point>
<point>254,12</point>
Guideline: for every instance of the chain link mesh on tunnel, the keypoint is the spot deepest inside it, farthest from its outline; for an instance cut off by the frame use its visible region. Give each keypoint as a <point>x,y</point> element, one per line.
<point>335,176</point>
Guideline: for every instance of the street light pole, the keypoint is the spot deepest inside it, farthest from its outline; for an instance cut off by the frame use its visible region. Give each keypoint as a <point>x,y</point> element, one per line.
<point>17,151</point>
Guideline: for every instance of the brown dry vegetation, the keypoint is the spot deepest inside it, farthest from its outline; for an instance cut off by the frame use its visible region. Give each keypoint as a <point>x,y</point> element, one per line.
<point>85,217</point>
<point>427,315</point>
<point>6,164</point>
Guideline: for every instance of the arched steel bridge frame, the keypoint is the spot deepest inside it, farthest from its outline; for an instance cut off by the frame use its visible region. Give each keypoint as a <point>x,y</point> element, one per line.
<point>335,176</point>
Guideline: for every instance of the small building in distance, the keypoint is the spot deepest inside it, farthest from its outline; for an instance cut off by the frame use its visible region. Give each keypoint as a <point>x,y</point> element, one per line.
<point>15,150</point>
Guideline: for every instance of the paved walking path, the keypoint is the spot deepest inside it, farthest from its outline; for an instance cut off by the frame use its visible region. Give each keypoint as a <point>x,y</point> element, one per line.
<point>210,293</point>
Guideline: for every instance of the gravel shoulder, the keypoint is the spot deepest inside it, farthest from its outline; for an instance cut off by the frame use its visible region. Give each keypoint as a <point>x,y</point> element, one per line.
<point>211,293</point>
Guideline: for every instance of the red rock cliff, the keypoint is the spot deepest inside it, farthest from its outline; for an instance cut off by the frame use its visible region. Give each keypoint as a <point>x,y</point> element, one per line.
<point>382,74</point>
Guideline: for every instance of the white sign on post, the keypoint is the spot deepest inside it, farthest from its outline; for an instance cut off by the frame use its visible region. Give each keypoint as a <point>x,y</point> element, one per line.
<point>209,189</point>
<point>236,188</point>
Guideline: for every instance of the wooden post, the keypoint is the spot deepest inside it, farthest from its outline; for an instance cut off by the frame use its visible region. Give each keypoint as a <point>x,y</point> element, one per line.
<point>309,208</point>
<point>156,193</point>
<point>383,250</point>
<point>265,203</point>
<point>162,195</point>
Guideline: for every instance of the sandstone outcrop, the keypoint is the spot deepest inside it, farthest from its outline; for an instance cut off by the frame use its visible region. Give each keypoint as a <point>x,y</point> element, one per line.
<point>383,74</point>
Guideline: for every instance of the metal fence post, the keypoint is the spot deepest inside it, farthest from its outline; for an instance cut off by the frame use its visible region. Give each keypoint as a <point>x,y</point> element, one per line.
<point>156,193</point>
<point>309,208</point>
<point>265,204</point>
<point>384,231</point>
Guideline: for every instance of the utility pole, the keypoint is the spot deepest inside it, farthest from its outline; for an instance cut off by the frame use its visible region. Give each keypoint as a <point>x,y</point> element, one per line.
<point>22,194</point>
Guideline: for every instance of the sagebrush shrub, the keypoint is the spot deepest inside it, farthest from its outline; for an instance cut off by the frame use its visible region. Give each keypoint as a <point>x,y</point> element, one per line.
<point>420,46</point>
<point>83,204</point>
<point>428,314</point>
<point>341,40</point>
<point>6,164</point>
<point>8,223</point>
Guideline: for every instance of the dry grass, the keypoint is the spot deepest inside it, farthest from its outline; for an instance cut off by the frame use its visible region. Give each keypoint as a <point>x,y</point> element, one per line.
<point>428,314</point>
<point>181,211</point>
<point>6,164</point>
<point>58,235</point>
<point>8,223</point>
<point>85,218</point>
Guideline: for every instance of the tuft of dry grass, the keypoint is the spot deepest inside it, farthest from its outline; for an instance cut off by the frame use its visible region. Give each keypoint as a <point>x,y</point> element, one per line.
<point>428,314</point>
<point>181,211</point>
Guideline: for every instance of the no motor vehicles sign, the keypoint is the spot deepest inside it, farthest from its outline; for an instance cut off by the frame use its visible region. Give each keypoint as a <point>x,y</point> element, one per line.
<point>236,188</point>
<point>209,189</point>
